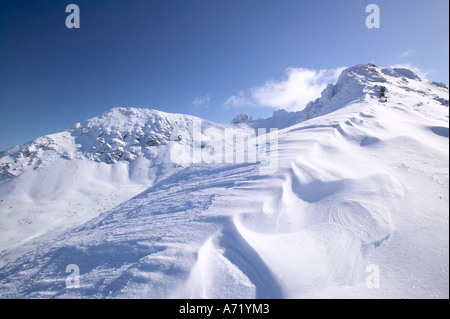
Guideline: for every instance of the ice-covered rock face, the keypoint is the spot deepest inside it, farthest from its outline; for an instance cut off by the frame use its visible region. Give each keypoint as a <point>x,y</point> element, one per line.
<point>122,134</point>
<point>367,79</point>
<point>368,74</point>
<point>118,135</point>
<point>363,73</point>
<point>361,79</point>
<point>240,118</point>
<point>352,84</point>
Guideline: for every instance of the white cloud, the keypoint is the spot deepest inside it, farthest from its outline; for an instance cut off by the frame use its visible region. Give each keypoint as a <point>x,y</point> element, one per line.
<point>406,53</point>
<point>201,102</point>
<point>293,93</point>
<point>238,100</point>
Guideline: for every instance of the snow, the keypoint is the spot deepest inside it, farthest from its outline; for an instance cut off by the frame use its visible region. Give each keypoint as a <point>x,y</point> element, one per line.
<point>362,181</point>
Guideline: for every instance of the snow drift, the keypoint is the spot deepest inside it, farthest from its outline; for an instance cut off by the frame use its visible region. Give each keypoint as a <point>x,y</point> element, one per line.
<point>362,183</point>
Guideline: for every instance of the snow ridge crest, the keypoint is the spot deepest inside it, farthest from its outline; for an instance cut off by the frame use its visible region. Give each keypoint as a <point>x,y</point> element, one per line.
<point>356,84</point>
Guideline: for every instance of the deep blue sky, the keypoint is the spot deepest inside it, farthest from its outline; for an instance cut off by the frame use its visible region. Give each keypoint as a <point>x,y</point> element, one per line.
<point>163,54</point>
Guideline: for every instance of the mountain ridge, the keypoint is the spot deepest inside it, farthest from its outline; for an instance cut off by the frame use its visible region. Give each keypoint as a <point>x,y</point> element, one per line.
<point>357,82</point>
<point>358,185</point>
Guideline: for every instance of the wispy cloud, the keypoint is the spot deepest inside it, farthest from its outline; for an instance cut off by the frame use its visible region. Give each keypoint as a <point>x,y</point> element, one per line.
<point>293,93</point>
<point>406,53</point>
<point>201,102</point>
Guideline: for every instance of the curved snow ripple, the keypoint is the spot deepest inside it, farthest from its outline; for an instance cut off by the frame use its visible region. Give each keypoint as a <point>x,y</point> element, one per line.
<point>309,259</point>
<point>319,212</point>
<point>228,267</point>
<point>307,226</point>
<point>440,131</point>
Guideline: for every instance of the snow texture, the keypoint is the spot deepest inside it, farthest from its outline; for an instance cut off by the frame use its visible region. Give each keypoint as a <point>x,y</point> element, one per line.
<point>362,180</point>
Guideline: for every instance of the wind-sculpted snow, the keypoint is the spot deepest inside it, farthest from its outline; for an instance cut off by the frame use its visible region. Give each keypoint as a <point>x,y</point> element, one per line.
<point>151,239</point>
<point>62,180</point>
<point>363,186</point>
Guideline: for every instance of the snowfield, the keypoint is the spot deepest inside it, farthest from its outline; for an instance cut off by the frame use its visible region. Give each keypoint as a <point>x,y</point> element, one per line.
<point>357,208</point>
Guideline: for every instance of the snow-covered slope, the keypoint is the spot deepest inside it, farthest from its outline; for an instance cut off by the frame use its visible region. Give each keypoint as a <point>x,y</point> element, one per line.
<point>355,84</point>
<point>362,185</point>
<point>65,179</point>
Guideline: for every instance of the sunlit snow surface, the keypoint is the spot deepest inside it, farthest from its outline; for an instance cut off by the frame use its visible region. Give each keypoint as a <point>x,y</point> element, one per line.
<point>361,182</point>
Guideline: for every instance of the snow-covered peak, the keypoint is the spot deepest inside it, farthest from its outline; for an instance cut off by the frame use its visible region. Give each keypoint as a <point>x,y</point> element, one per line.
<point>87,169</point>
<point>118,135</point>
<point>353,84</point>
<point>371,75</point>
<point>122,134</point>
<point>123,118</point>
<point>360,83</point>
<point>367,81</point>
<point>361,73</point>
